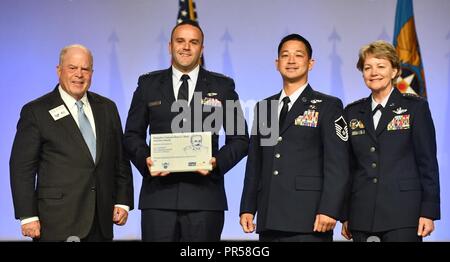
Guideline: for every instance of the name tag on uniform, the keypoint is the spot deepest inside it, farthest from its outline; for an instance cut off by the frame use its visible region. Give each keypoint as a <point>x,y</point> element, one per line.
<point>154,103</point>
<point>309,118</point>
<point>358,132</point>
<point>59,112</point>
<point>399,122</point>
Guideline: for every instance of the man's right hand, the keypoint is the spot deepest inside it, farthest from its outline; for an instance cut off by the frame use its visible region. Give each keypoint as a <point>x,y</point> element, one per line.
<point>32,229</point>
<point>247,223</point>
<point>149,164</point>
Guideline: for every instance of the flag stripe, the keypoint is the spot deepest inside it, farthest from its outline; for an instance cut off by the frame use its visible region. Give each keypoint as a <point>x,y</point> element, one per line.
<point>191,10</point>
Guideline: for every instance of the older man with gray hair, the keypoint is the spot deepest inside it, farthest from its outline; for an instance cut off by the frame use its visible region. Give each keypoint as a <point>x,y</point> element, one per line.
<point>69,177</point>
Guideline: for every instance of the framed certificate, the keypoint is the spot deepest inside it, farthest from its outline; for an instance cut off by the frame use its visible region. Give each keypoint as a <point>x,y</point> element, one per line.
<point>181,152</point>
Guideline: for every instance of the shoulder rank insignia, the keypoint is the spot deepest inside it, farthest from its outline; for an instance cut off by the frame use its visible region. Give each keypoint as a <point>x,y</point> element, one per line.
<point>356,102</point>
<point>341,128</point>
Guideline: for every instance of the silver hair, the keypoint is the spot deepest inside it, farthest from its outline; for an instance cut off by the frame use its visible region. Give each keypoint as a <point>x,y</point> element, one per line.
<point>66,49</point>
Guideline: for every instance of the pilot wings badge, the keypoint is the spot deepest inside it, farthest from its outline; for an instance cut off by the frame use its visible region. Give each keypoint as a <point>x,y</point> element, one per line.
<point>399,111</point>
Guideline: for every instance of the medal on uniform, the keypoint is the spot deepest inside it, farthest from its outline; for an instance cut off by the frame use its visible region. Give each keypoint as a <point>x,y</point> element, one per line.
<point>399,122</point>
<point>357,127</point>
<point>310,118</point>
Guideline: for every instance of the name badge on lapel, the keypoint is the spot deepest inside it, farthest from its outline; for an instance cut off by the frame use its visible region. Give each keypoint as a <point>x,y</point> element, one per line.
<point>309,118</point>
<point>59,112</point>
<point>399,122</point>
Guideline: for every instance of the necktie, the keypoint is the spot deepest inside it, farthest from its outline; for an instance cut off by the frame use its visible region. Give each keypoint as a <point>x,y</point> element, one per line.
<point>183,92</point>
<point>284,110</point>
<point>376,119</point>
<point>86,129</point>
<point>378,107</point>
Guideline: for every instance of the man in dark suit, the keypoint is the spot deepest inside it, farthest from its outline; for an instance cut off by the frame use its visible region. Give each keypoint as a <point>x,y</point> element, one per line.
<point>186,206</point>
<point>296,184</point>
<point>69,176</point>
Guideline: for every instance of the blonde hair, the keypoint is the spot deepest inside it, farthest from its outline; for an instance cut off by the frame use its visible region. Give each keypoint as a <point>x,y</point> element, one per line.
<point>382,50</point>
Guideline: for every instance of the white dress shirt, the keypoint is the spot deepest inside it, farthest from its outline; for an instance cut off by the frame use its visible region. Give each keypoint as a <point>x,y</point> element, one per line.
<point>176,80</point>
<point>377,115</point>
<point>293,97</point>
<point>70,103</point>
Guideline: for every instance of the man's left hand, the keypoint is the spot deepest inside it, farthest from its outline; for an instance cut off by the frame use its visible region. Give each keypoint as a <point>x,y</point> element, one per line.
<point>426,226</point>
<point>120,216</point>
<point>204,172</point>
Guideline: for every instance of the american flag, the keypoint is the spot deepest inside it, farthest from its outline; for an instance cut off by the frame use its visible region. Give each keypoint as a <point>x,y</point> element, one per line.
<point>188,12</point>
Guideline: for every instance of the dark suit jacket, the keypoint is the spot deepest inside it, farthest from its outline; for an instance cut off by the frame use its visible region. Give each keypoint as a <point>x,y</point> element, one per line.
<point>305,173</point>
<point>150,109</point>
<point>69,186</point>
<point>394,170</point>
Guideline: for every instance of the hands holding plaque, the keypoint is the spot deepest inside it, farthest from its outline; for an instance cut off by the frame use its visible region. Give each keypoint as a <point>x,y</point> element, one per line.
<point>180,152</point>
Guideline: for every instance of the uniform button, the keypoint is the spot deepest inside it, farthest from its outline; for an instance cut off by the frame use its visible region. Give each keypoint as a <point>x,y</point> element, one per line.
<point>280,139</point>
<point>275,173</point>
<point>375,180</point>
<point>277,155</point>
<point>93,188</point>
<point>372,149</point>
<point>374,165</point>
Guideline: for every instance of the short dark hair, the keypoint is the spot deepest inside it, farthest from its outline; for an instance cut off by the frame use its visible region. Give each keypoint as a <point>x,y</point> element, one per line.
<point>188,22</point>
<point>296,37</point>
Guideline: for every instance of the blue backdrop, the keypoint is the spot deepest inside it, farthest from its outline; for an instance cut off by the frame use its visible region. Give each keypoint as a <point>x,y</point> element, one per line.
<point>129,38</point>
